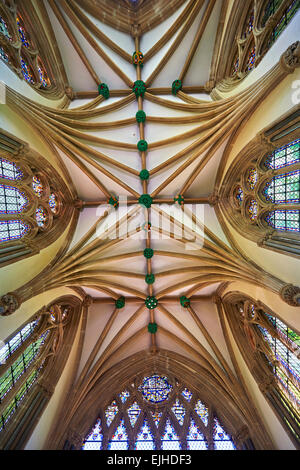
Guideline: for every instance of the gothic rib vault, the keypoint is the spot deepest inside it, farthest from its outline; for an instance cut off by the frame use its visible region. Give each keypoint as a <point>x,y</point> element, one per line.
<point>177,242</point>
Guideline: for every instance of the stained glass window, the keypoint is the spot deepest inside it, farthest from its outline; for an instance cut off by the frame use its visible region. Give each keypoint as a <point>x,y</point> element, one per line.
<point>156,415</point>
<point>41,216</point>
<point>195,439</point>
<point>155,388</point>
<point>284,220</point>
<point>94,440</point>
<point>236,64</point>
<point>252,209</point>
<point>133,413</point>
<point>271,7</point>
<point>9,170</point>
<point>239,194</point>
<point>12,200</point>
<point>284,188</point>
<point>111,412</point>
<point>119,441</point>
<point>249,24</point>
<point>3,55</point>
<point>12,230</point>
<point>12,345</point>
<point>4,29</point>
<point>45,82</point>
<point>13,374</point>
<point>145,440</point>
<point>288,14</point>
<point>202,411</point>
<point>287,367</point>
<point>22,32</point>
<point>284,156</point>
<point>37,186</point>
<point>252,178</point>
<point>53,203</point>
<point>27,71</point>
<point>222,441</point>
<point>170,440</point>
<point>179,411</point>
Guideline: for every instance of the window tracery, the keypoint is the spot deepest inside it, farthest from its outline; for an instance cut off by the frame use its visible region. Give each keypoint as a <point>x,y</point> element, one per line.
<point>272,350</point>
<point>157,413</point>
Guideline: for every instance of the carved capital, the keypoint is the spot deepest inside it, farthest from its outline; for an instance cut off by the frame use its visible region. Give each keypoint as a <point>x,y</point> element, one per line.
<point>135,30</point>
<point>291,295</point>
<point>75,439</point>
<point>78,204</point>
<point>267,384</point>
<point>213,199</point>
<point>290,59</point>
<point>87,301</point>
<point>9,303</point>
<point>241,435</point>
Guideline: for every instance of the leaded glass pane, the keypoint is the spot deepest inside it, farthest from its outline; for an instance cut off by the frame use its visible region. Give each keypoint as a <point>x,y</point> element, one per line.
<point>239,195</point>
<point>155,388</point>
<point>271,7</point>
<point>9,170</point>
<point>179,411</point>
<point>37,186</point>
<point>23,33</point>
<point>284,21</point>
<point>41,216</point>
<point>94,440</point>
<point>156,415</point>
<point>284,220</point>
<point>12,230</point>
<point>284,156</point>
<point>4,29</point>
<point>124,395</point>
<point>170,440</point>
<point>252,178</point>
<point>134,413</point>
<point>12,200</point>
<point>145,440</point>
<point>202,411</point>
<point>253,209</point>
<point>53,203</point>
<point>195,439</point>
<point>119,441</point>
<point>187,394</point>
<point>222,441</point>
<point>284,189</point>
<point>45,82</point>
<point>26,71</point>
<point>251,58</point>
<point>111,412</point>
<point>11,346</point>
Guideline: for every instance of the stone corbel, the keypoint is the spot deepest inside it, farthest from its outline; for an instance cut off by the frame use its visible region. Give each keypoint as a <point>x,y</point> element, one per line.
<point>9,303</point>
<point>69,93</point>
<point>241,436</point>
<point>291,295</point>
<point>290,59</point>
<point>75,439</point>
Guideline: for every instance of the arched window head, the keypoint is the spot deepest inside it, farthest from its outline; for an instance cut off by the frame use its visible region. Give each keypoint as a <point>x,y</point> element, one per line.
<point>261,194</point>
<point>272,351</point>
<point>157,413</point>
<point>34,203</point>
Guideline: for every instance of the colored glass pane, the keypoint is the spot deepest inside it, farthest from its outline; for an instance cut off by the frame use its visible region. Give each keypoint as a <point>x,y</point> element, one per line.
<point>37,186</point>
<point>249,24</point>
<point>251,58</point>
<point>22,32</point>
<point>170,440</point>
<point>179,411</point>
<point>40,216</point>
<point>252,209</point>
<point>271,7</point>
<point>195,439</point>
<point>284,220</point>
<point>94,439</point>
<point>12,200</point>
<point>236,64</point>
<point>4,29</point>
<point>252,178</point>
<point>202,411</point>
<point>53,203</point>
<point>239,195</point>
<point>45,82</point>
<point>155,388</point>
<point>111,412</point>
<point>26,71</point>
<point>156,415</point>
<point>13,344</point>
<point>12,230</point>
<point>124,395</point>
<point>222,441</point>
<point>287,155</point>
<point>3,55</point>
<point>119,441</point>
<point>9,170</point>
<point>133,413</point>
<point>187,394</point>
<point>145,440</point>
<point>284,188</point>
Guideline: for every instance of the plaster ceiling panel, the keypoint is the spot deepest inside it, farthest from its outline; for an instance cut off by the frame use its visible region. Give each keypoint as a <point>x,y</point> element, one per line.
<point>173,66</point>
<point>211,221</point>
<point>199,69</point>
<point>87,218</point>
<point>129,157</point>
